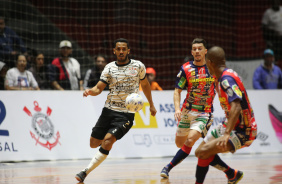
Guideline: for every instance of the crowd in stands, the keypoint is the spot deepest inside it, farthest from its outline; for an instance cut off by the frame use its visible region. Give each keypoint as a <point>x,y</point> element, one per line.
<point>62,74</point>
<point>21,69</point>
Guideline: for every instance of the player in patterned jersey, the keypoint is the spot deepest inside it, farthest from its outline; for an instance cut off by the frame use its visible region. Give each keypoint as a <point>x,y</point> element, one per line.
<point>123,77</point>
<point>195,116</point>
<point>239,129</point>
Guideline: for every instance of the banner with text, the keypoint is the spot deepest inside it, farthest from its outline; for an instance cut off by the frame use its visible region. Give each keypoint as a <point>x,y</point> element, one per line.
<point>50,125</point>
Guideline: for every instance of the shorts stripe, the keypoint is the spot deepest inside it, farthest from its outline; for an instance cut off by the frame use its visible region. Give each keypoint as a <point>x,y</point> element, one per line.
<point>202,119</point>
<point>214,133</point>
<point>184,125</point>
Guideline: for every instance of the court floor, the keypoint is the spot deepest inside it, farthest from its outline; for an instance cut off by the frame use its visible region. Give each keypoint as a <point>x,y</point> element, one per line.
<point>258,169</point>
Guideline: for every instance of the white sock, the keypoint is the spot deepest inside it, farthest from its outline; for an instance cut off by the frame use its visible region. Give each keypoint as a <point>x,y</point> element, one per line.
<point>96,160</point>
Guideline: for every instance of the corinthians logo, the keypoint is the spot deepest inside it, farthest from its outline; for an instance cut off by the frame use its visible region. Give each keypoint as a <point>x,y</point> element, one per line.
<point>43,127</point>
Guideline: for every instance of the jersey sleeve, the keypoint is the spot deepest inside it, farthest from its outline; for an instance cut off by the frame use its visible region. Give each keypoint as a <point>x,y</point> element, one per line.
<point>142,72</point>
<point>181,80</point>
<point>231,88</point>
<point>105,75</point>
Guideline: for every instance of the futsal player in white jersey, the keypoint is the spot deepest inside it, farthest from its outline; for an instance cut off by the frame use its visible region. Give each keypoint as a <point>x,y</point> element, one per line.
<point>123,77</point>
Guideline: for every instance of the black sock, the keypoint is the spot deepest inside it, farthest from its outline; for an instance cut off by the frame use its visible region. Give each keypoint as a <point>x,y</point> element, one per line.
<point>201,173</point>
<point>220,165</point>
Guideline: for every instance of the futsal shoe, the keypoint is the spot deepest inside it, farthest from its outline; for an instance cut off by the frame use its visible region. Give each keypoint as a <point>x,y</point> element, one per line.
<point>81,176</point>
<point>276,120</point>
<point>238,176</point>
<point>164,172</point>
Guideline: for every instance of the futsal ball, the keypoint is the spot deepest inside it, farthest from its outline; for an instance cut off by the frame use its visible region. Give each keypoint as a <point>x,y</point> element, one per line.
<point>134,102</point>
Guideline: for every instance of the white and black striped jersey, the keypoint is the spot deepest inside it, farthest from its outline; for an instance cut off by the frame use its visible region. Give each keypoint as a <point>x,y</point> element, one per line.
<point>122,80</point>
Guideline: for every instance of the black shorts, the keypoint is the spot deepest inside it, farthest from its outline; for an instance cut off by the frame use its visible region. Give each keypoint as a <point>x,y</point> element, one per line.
<point>113,122</point>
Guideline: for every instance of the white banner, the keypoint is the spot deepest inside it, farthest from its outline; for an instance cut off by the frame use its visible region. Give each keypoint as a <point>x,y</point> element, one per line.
<point>47,125</point>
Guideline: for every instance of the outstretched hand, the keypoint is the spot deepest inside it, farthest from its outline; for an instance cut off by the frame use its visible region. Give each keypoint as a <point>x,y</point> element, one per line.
<point>86,93</point>
<point>222,142</point>
<point>177,115</point>
<point>153,110</point>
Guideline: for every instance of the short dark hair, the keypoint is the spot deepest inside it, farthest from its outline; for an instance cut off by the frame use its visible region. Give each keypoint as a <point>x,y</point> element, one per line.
<point>200,40</point>
<point>121,40</point>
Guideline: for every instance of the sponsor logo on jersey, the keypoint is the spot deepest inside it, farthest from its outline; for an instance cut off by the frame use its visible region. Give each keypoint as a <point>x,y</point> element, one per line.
<point>237,91</point>
<point>222,100</point>
<point>182,82</point>
<point>43,129</point>
<point>179,74</point>
<point>207,80</point>
<point>201,71</point>
<point>132,71</point>
<point>230,92</point>
<point>188,66</point>
<point>114,131</point>
<point>203,75</point>
<point>225,84</point>
<point>191,70</point>
<point>126,124</point>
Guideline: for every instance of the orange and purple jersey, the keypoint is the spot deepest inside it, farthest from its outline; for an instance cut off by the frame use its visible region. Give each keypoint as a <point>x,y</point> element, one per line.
<point>200,87</point>
<point>230,88</point>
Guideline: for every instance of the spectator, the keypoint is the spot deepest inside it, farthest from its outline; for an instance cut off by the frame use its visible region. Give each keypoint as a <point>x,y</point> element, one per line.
<point>151,75</point>
<point>267,75</point>
<point>40,71</point>
<point>65,70</point>
<point>272,28</point>
<point>3,71</point>
<point>10,44</point>
<point>30,57</point>
<point>92,75</point>
<point>18,78</point>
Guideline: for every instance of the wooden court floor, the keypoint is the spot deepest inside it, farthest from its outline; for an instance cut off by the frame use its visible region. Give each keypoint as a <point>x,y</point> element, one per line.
<point>258,169</point>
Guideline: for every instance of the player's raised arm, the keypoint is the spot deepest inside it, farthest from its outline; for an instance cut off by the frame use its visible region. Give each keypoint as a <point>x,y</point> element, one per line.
<point>96,90</point>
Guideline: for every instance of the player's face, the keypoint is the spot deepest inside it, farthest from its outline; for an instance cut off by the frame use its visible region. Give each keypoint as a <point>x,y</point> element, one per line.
<point>198,52</point>
<point>121,51</point>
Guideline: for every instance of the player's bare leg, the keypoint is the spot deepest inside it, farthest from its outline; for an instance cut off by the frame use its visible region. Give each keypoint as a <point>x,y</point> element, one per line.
<point>206,150</point>
<point>180,140</point>
<point>94,143</point>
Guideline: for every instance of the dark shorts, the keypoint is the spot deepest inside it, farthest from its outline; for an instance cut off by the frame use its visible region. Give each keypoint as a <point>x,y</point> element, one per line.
<point>113,122</point>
